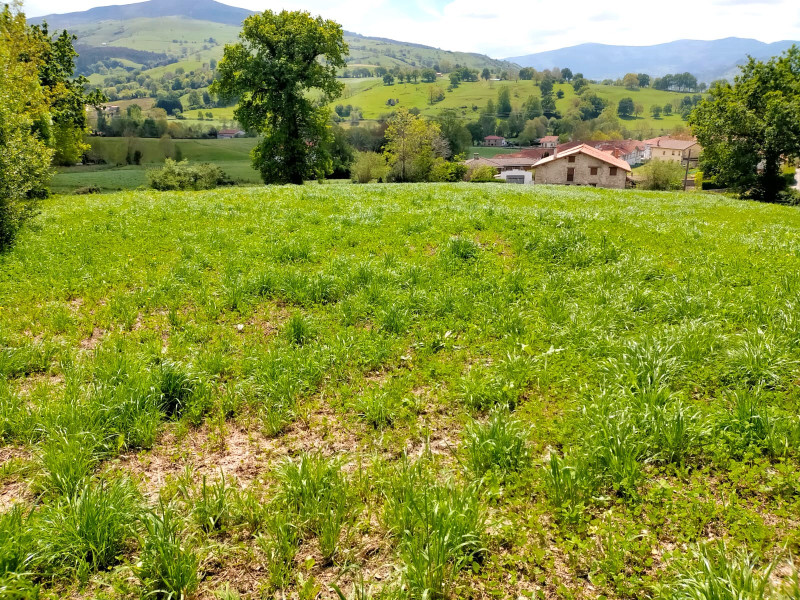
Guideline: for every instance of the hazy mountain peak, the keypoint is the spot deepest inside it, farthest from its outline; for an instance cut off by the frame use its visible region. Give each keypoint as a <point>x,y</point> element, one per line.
<point>202,10</point>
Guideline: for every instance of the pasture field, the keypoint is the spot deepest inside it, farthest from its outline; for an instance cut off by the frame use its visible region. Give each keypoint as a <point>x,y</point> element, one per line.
<point>371,96</point>
<point>401,391</point>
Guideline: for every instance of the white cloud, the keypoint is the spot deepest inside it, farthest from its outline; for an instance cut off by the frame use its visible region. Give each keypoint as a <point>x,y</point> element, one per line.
<point>517,27</point>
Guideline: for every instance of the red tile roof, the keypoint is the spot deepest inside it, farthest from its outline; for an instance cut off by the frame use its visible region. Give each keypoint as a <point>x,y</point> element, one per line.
<point>533,153</point>
<point>549,138</point>
<point>494,137</point>
<point>589,151</point>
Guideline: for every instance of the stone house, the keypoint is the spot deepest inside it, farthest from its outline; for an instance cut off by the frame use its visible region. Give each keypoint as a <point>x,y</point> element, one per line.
<point>583,165</point>
<point>494,140</point>
<point>672,149</point>
<point>549,141</point>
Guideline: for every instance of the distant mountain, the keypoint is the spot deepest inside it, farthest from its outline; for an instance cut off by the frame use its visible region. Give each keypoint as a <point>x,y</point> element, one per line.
<point>707,60</point>
<point>182,27</point>
<point>201,10</point>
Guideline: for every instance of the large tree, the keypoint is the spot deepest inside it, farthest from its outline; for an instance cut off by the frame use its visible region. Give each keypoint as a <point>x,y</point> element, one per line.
<point>748,128</point>
<point>65,94</point>
<point>280,58</point>
<point>24,124</point>
<point>412,146</point>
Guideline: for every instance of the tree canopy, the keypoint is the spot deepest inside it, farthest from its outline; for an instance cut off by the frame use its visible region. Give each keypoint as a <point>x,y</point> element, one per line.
<point>280,58</point>
<point>747,128</point>
<point>24,124</point>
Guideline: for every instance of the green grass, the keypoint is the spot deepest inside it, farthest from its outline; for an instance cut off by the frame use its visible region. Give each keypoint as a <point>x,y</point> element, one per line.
<point>371,96</point>
<point>231,155</point>
<point>426,391</point>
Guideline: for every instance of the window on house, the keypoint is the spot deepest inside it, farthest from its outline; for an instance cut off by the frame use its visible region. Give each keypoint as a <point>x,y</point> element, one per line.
<point>612,171</point>
<point>571,159</point>
<point>571,174</point>
<point>593,170</point>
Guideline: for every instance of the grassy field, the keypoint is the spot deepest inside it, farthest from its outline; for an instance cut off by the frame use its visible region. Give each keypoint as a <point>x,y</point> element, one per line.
<point>372,97</point>
<point>416,391</point>
<point>231,155</point>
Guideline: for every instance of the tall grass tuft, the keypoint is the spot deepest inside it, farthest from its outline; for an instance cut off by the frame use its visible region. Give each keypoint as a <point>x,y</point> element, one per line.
<point>316,494</point>
<point>88,530</point>
<point>716,574</point>
<point>279,544</point>
<point>498,445</point>
<point>439,527</point>
<point>168,566</point>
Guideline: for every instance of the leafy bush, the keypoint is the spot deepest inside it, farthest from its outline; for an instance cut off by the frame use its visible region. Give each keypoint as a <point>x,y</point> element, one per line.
<point>183,176</point>
<point>662,175</point>
<point>443,170</point>
<point>89,189</point>
<point>482,174</point>
<point>369,166</point>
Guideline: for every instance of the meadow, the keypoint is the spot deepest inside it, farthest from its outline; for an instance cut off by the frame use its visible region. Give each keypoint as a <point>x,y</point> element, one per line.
<point>371,96</point>
<point>401,391</point>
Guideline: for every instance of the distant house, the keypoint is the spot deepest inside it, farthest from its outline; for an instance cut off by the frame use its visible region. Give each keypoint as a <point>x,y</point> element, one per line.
<point>672,149</point>
<point>583,165</point>
<point>226,134</point>
<point>501,163</point>
<point>549,141</point>
<point>632,152</point>
<point>494,140</point>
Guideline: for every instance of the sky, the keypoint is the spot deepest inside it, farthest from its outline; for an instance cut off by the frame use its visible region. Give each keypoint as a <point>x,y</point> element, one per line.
<point>518,27</point>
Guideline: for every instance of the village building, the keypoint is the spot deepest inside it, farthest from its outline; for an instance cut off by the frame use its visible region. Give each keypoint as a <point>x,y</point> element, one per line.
<point>583,165</point>
<point>632,152</point>
<point>494,140</point>
<point>501,163</point>
<point>549,141</point>
<point>226,134</point>
<point>672,149</point>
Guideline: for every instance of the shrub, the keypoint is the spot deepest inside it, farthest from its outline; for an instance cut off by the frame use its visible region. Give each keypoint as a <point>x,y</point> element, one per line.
<point>662,175</point>
<point>369,166</point>
<point>183,176</point>
<point>481,174</point>
<point>447,171</point>
<point>89,189</point>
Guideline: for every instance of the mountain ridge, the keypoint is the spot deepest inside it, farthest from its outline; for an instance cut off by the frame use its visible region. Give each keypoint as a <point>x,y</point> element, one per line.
<point>602,61</point>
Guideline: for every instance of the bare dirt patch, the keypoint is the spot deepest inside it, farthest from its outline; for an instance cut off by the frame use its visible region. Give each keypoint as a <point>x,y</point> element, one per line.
<point>239,452</point>
<point>93,340</point>
<point>15,488</point>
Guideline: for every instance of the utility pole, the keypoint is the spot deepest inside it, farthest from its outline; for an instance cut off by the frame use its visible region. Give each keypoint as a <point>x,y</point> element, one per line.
<point>686,176</point>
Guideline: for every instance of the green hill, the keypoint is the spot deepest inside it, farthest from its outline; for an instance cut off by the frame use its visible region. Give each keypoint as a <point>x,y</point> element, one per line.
<point>183,29</point>
<point>371,97</point>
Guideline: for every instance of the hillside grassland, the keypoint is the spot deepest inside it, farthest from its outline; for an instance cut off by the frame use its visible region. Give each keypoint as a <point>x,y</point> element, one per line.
<point>371,99</point>
<point>406,391</point>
